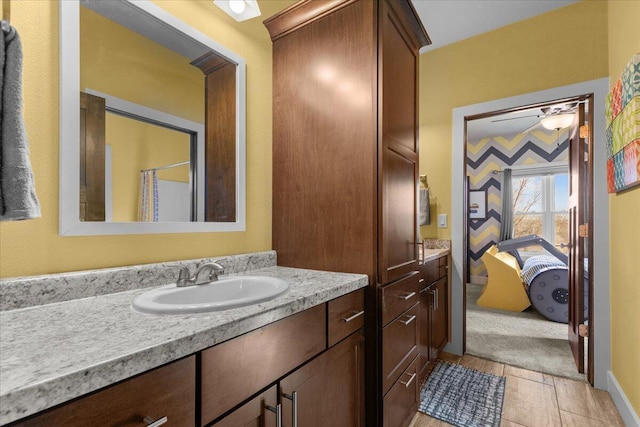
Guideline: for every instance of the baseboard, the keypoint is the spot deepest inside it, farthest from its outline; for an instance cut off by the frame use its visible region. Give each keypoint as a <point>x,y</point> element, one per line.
<point>478,280</point>
<point>627,412</point>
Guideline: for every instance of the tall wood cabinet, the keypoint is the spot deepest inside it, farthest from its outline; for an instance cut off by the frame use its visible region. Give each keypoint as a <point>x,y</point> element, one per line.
<point>345,167</point>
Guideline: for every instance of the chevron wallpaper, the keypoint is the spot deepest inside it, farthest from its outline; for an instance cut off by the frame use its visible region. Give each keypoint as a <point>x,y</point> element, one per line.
<point>497,153</point>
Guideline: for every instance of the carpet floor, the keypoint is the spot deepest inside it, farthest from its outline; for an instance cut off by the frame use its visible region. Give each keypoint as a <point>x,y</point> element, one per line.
<point>526,340</point>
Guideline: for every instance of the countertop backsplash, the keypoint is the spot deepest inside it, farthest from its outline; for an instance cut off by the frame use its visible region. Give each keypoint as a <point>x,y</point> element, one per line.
<point>22,292</point>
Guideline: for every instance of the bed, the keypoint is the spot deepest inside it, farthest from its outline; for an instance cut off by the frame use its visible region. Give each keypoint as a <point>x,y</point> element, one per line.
<point>546,278</point>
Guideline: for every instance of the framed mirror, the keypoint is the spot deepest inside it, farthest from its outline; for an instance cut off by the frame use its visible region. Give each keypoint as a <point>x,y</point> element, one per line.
<point>152,123</point>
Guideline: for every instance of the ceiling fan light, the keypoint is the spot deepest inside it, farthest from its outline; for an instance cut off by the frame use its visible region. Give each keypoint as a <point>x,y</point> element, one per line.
<point>556,122</point>
<point>240,10</point>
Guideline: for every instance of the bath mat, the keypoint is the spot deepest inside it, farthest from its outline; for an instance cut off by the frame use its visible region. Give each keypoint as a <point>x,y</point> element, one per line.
<point>463,397</point>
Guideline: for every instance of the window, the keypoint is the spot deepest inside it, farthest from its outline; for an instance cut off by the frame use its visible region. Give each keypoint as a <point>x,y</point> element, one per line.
<point>540,201</point>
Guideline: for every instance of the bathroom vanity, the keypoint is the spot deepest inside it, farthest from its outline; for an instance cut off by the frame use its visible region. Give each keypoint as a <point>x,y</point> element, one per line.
<point>96,361</point>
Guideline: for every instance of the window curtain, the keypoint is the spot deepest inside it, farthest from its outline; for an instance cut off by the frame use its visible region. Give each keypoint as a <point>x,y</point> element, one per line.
<point>506,217</point>
<point>148,200</point>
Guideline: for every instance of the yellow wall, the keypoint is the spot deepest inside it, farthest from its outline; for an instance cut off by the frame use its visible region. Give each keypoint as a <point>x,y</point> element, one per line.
<point>135,146</point>
<point>624,41</point>
<point>562,47</point>
<point>34,247</point>
<point>121,63</point>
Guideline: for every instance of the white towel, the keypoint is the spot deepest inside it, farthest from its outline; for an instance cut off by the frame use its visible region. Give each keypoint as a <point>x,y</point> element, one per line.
<point>17,189</point>
<point>424,216</point>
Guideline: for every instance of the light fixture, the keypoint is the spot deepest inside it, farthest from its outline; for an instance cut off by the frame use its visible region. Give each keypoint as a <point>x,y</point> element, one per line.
<point>557,121</point>
<point>240,10</point>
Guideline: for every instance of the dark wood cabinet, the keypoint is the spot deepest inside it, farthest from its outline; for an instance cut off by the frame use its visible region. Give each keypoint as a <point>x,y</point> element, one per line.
<point>434,313</point>
<point>345,152</point>
<point>261,411</point>
<point>236,369</point>
<point>166,392</point>
<point>316,355</point>
<point>329,390</point>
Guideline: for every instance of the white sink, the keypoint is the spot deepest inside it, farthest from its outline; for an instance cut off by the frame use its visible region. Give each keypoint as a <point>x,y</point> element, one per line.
<point>225,293</point>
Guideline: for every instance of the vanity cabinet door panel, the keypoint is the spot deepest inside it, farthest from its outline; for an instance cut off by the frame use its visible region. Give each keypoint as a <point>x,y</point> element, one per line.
<point>236,369</point>
<point>254,413</point>
<point>439,320</point>
<point>424,335</point>
<point>168,391</point>
<point>329,390</point>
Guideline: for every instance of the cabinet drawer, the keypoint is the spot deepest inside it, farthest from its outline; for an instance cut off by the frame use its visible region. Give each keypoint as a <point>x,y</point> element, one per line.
<point>399,346</point>
<point>430,271</point>
<point>254,412</point>
<point>168,391</point>
<point>401,403</point>
<point>345,315</point>
<point>236,369</point>
<point>399,296</point>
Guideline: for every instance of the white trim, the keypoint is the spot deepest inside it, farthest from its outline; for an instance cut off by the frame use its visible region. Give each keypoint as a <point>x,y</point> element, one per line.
<point>628,414</point>
<point>69,197</point>
<point>600,87</point>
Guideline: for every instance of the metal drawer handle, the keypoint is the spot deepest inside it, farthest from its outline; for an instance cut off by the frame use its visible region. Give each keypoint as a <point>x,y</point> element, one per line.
<point>293,397</point>
<point>278,411</point>
<point>407,296</point>
<point>421,281</point>
<point>156,423</point>
<point>408,383</point>
<point>436,298</point>
<point>350,318</point>
<point>409,320</point>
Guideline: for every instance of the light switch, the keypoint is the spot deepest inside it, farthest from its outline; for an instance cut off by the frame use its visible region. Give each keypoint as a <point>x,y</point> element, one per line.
<point>442,220</point>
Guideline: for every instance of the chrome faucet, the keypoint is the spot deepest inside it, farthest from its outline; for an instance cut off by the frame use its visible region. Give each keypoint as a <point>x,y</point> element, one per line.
<point>185,278</point>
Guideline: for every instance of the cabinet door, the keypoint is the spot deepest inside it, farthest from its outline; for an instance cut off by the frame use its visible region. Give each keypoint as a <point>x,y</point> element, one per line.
<point>329,390</point>
<point>167,392</point>
<point>424,330</point>
<point>398,172</point>
<point>439,322</point>
<point>258,412</point>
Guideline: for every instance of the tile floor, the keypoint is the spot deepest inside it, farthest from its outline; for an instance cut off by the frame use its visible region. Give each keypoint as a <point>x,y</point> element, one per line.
<point>534,399</point>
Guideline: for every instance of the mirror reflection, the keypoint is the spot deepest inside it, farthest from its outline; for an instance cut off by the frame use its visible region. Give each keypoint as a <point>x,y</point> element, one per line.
<point>148,153</point>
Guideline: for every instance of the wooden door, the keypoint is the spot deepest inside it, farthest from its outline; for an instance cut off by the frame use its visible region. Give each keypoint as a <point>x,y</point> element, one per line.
<point>329,390</point>
<point>92,157</point>
<point>577,221</point>
<point>439,320</point>
<point>424,331</point>
<point>398,168</point>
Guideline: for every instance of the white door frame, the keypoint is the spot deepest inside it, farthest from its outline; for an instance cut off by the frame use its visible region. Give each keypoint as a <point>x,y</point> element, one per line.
<point>599,88</point>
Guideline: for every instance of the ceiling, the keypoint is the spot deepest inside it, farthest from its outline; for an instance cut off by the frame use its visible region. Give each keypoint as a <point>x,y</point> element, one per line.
<point>450,21</point>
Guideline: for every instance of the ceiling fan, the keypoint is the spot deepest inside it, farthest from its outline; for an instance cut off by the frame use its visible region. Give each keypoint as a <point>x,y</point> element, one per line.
<point>558,116</point>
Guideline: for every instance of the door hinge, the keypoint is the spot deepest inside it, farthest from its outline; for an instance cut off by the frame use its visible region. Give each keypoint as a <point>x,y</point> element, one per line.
<point>584,131</point>
<point>583,230</point>
<point>583,330</point>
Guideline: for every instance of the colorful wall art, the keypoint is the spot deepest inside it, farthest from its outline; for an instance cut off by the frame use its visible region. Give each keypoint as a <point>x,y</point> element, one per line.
<point>623,129</point>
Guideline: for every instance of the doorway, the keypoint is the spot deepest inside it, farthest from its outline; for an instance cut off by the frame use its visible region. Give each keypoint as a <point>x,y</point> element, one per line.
<point>600,272</point>
<point>518,297</point>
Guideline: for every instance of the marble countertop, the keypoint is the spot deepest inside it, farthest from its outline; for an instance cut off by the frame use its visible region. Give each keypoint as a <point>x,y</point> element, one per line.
<point>53,353</point>
<point>431,254</point>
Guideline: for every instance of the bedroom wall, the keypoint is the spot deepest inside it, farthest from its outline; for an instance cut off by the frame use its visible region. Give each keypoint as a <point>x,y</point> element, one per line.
<point>496,153</point>
<point>623,230</point>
